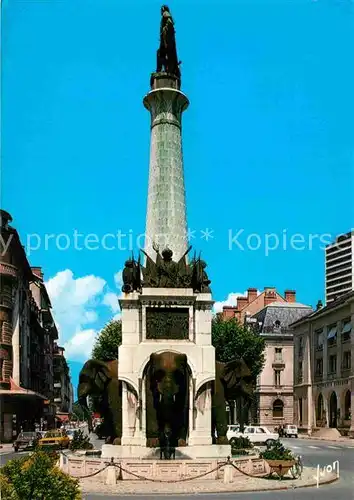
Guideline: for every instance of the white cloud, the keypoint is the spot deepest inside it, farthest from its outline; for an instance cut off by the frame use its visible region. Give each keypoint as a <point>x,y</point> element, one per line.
<point>79,347</point>
<point>117,316</point>
<point>74,302</point>
<point>118,279</point>
<point>230,301</point>
<point>111,300</point>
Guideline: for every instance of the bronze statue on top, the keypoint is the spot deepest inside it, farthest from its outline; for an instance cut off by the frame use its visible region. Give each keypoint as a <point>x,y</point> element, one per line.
<point>132,276</point>
<point>167,52</point>
<point>165,272</point>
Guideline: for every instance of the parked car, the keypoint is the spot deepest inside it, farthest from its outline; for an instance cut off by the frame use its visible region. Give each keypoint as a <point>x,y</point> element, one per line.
<point>258,435</point>
<point>55,439</point>
<point>232,431</point>
<point>290,431</point>
<point>26,440</point>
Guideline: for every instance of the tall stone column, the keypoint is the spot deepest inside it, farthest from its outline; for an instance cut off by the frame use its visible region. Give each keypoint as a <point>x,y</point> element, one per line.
<point>166,220</point>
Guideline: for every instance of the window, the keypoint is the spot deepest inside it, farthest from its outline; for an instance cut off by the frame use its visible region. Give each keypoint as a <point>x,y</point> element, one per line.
<point>346,330</point>
<point>278,354</point>
<point>332,365</point>
<point>259,430</point>
<point>319,340</point>
<point>299,375</point>
<point>319,366</point>
<point>301,345</point>
<point>278,409</point>
<point>277,378</point>
<point>332,334</point>
<point>346,360</point>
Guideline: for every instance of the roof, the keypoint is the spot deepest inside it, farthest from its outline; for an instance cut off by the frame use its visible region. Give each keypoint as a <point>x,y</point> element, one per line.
<point>283,312</point>
<point>341,301</point>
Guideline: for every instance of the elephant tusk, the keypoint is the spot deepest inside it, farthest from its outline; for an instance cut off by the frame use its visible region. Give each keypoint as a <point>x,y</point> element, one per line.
<point>174,398</point>
<point>160,399</point>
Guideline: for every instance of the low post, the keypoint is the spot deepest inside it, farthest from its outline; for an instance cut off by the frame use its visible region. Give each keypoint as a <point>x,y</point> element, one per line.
<point>111,476</point>
<point>228,476</point>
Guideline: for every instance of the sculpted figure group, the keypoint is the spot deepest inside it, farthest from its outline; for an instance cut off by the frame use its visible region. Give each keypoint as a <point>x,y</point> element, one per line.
<point>165,272</point>
<point>167,397</point>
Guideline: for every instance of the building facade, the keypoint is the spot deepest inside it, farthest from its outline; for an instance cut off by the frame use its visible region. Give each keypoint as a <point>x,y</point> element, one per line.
<point>339,267</point>
<point>62,386</point>
<point>254,302</point>
<point>274,390</point>
<point>27,336</point>
<point>323,370</point>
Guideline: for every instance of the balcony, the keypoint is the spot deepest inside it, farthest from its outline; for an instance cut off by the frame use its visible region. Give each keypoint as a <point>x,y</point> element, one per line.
<point>8,270</point>
<point>278,362</point>
<point>57,385</point>
<point>57,400</point>
<point>345,372</point>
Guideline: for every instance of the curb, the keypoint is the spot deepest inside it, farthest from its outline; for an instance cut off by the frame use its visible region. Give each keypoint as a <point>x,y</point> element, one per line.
<point>213,491</point>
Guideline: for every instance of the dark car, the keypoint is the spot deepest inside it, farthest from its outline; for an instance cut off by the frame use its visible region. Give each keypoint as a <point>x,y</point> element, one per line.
<point>26,440</point>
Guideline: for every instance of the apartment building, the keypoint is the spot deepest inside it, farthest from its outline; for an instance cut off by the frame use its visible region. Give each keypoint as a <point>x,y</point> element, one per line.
<point>63,392</point>
<point>27,335</point>
<point>323,370</point>
<point>254,302</point>
<point>274,389</point>
<point>339,270</point>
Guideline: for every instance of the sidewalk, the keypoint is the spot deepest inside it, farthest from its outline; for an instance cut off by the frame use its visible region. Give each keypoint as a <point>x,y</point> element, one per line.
<point>242,484</point>
<point>6,447</point>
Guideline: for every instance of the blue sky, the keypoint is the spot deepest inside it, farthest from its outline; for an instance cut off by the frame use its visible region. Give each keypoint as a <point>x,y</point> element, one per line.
<point>268,140</point>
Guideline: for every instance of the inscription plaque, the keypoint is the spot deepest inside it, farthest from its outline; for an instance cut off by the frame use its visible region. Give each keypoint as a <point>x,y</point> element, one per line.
<point>167,323</point>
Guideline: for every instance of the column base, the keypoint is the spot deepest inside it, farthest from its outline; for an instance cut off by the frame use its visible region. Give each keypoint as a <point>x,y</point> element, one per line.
<point>133,441</point>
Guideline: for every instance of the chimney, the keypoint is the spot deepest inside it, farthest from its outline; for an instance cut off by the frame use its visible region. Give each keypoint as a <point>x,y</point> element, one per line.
<point>241,303</point>
<point>228,312</point>
<point>290,295</point>
<point>37,271</point>
<point>319,305</point>
<point>270,295</point>
<point>251,294</point>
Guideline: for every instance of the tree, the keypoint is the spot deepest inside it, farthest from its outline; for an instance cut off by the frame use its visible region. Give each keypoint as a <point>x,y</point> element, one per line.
<point>108,341</point>
<point>79,412</point>
<point>231,340</point>
<point>37,477</point>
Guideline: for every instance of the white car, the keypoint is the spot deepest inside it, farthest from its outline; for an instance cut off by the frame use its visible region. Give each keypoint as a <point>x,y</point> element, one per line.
<point>258,434</point>
<point>232,431</point>
<point>290,431</point>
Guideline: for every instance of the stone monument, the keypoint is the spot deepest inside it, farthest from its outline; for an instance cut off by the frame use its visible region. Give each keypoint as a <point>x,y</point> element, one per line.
<point>166,360</point>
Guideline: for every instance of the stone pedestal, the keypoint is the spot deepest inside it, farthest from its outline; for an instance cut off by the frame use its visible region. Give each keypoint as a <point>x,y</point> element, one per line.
<point>186,452</point>
<point>134,355</point>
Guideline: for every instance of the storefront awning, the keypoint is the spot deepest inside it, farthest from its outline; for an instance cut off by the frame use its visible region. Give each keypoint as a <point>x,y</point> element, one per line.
<point>62,417</point>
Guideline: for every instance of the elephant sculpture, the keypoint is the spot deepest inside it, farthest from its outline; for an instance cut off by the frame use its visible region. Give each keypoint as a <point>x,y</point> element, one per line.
<point>168,380</point>
<point>233,382</point>
<point>167,397</point>
<point>99,379</point>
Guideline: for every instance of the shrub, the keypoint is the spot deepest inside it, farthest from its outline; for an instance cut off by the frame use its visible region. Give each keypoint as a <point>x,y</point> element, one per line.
<point>36,477</point>
<point>277,451</point>
<point>241,443</point>
<point>80,441</point>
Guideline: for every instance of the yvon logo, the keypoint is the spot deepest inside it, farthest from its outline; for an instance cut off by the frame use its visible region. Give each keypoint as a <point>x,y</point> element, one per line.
<point>326,471</point>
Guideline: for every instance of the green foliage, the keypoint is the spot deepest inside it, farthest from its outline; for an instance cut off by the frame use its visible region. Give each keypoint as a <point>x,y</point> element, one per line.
<point>37,477</point>
<point>80,412</point>
<point>277,451</point>
<point>231,339</point>
<point>80,441</point>
<point>241,443</point>
<point>108,340</point>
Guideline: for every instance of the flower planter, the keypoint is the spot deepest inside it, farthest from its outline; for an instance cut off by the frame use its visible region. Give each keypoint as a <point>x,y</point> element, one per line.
<point>280,467</point>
